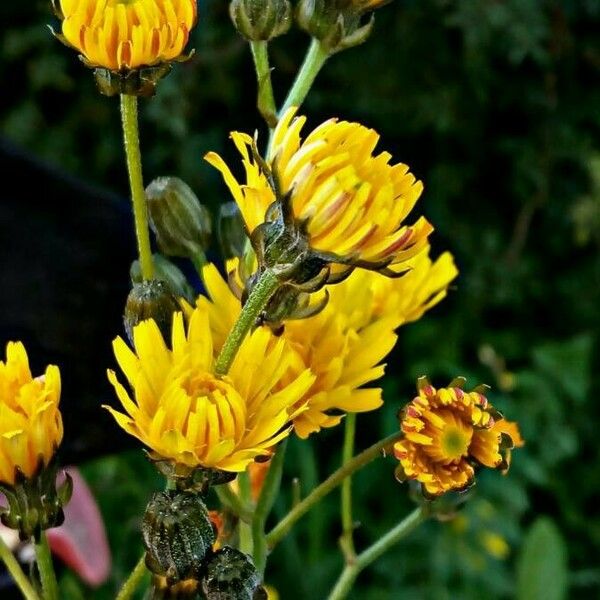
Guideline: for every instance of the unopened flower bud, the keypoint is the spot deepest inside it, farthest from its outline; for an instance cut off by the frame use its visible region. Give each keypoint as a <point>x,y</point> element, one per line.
<point>231,231</point>
<point>182,225</point>
<point>150,299</point>
<point>171,274</point>
<point>261,20</point>
<point>337,24</point>
<point>231,575</point>
<point>178,535</point>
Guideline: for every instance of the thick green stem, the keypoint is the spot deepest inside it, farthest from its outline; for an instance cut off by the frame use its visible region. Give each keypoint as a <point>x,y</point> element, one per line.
<point>13,567</point>
<point>347,538</point>
<point>333,481</point>
<point>372,553</point>
<point>46,569</point>
<point>316,57</point>
<point>131,138</point>
<point>134,580</point>
<point>266,500</point>
<point>261,294</point>
<point>266,98</point>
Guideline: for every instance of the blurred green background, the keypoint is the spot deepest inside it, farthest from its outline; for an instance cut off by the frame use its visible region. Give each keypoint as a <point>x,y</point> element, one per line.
<point>496,106</point>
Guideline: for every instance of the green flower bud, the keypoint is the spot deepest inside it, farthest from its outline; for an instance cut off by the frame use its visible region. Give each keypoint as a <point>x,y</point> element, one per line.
<point>178,535</point>
<point>171,274</point>
<point>231,575</point>
<point>231,231</point>
<point>151,299</point>
<point>182,225</point>
<point>337,24</point>
<point>35,503</point>
<point>261,20</point>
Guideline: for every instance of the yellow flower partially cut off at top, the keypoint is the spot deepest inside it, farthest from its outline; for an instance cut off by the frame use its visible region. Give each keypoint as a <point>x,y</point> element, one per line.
<point>343,345</point>
<point>127,34</point>
<point>187,414</point>
<point>31,427</point>
<point>352,202</point>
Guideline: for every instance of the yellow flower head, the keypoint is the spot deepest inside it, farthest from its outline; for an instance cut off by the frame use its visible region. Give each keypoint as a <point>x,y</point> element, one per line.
<point>188,415</point>
<point>122,35</point>
<point>447,433</point>
<point>343,345</point>
<point>349,203</point>
<point>31,427</point>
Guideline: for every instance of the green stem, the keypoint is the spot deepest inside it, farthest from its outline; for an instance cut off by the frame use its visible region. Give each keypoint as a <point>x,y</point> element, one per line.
<point>16,572</point>
<point>134,580</point>
<point>46,569</point>
<point>372,553</point>
<point>334,480</point>
<point>347,538</point>
<point>266,98</point>
<point>266,500</point>
<point>316,57</point>
<point>245,529</point>
<point>230,500</point>
<point>131,138</point>
<point>261,294</point>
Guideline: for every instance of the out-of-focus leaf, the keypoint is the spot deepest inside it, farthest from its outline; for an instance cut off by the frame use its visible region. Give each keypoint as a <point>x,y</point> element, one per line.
<point>542,568</point>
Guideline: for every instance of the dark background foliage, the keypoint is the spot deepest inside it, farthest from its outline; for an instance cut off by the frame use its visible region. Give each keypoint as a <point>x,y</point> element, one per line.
<point>495,106</point>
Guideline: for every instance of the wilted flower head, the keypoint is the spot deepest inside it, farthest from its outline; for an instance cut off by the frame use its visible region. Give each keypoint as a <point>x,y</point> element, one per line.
<point>448,433</point>
<point>188,415</point>
<point>123,36</point>
<point>327,199</point>
<point>31,427</point>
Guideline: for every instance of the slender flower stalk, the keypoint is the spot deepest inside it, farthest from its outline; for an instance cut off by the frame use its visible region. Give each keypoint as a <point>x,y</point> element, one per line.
<point>230,500</point>
<point>13,567</point>
<point>266,98</point>
<point>333,481</point>
<point>131,137</point>
<point>46,568</point>
<point>347,539</point>
<point>265,503</point>
<point>265,288</point>
<point>134,580</point>
<point>371,554</point>
<point>316,57</point>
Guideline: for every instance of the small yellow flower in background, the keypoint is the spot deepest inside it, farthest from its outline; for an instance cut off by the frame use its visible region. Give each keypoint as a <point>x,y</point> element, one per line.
<point>343,345</point>
<point>186,414</point>
<point>127,34</point>
<point>349,203</point>
<point>494,544</point>
<point>447,433</point>
<point>31,427</point>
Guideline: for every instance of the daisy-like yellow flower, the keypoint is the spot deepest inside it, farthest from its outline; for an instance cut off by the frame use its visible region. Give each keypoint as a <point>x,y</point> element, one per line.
<point>191,417</point>
<point>31,427</point>
<point>448,433</point>
<point>343,346</point>
<point>350,204</point>
<point>123,35</point>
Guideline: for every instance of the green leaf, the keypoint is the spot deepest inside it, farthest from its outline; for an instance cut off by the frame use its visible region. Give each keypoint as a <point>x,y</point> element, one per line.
<point>542,565</point>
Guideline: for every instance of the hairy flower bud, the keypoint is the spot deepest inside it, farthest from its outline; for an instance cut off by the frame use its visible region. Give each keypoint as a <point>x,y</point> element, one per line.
<point>337,24</point>
<point>261,20</point>
<point>171,274</point>
<point>182,225</point>
<point>151,299</point>
<point>231,231</point>
<point>230,575</point>
<point>178,535</point>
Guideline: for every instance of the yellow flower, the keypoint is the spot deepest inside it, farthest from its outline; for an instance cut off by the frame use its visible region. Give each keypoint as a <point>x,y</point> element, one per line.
<point>343,345</point>
<point>188,415</point>
<point>351,204</point>
<point>31,427</point>
<point>447,433</point>
<point>122,35</point>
